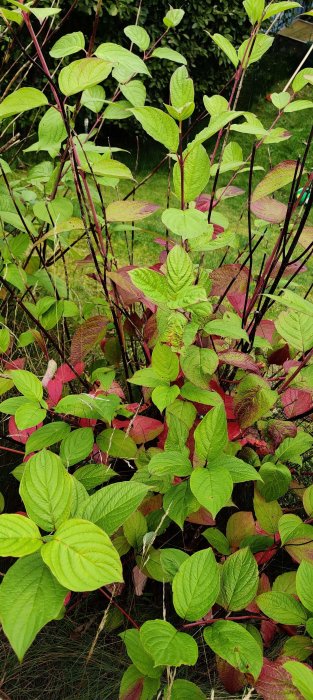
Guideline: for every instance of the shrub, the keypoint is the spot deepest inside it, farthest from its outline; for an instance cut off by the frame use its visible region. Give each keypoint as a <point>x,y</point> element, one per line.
<point>182,383</point>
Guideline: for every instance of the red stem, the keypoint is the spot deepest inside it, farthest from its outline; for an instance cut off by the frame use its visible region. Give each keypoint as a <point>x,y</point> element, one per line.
<point>111,599</point>
<point>10,449</point>
<point>233,619</point>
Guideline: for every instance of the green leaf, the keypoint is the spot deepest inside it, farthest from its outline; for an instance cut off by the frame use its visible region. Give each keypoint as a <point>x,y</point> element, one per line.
<point>30,597</point>
<point>151,283</point>
<point>135,93</point>
<point>160,126</point>
<point>179,502</point>
<point>267,514</point>
<point>217,540</point>
<point>298,105</point>
<point>198,365</point>
<point>239,470</point>
<point>138,655</point>
<point>170,462</point>
<point>282,608</point>
<point>29,414</point>
<point>126,62</point>
<point>186,690</point>
<point>216,124</point>
<point>212,488</point>
<point>42,13</point>
<point>82,557</point>
<point>280,99</point>
<point>76,446</point>
<point>181,88</point>
<point>193,393</point>
<point>4,339</point>
<point>165,362</point>
<point>27,384</point>
<point>132,678</point>
<point>302,678</point>
<point>46,490</point>
<point>225,45</point>
<point>227,327</point>
<point>308,500</point>
<point>280,176</point>
<point>276,481</point>
<point>135,528</point>
<point>113,504</point>
<point>117,444</point>
<point>235,645</point>
<point>68,44</point>
<point>277,7</point>
<point>93,98</point>
<point>93,475</point>
<point>19,536</point>
<point>168,54</point>
<point>163,396</point>
<point>298,647</point>
<point>138,36</point>
<point>82,74</point>
<point>196,175</point>
<point>254,9</point>
<point>166,645</point>
<point>22,100</point>
<point>179,270</point>
<point>51,133</point>
<point>46,436</point>
<point>262,44</point>
<point>173,17</point>
<point>211,434</point>
<point>291,449</point>
<point>171,560</point>
<point>304,584</point>
<point>196,585</point>
<point>304,77</point>
<point>86,406</point>
<point>239,580</point>
<point>188,224</point>
<point>296,329</point>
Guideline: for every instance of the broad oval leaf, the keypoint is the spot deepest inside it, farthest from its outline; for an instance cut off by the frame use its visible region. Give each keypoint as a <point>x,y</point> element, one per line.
<point>82,557</point>
<point>212,488</point>
<point>166,645</point>
<point>30,597</point>
<point>46,490</point>
<point>239,580</point>
<point>112,505</point>
<point>280,176</point>
<point>236,645</point>
<point>21,101</point>
<point>160,126</point>
<point>304,584</point>
<point>19,536</point>
<point>196,585</point>
<point>82,74</point>
<point>282,608</point>
<point>68,44</point>
<point>137,35</point>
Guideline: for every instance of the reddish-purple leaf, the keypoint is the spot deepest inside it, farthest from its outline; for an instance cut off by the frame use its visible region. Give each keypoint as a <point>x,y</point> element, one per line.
<point>290,269</point>
<point>65,374</point>
<point>238,359</point>
<point>266,330</point>
<point>275,682</point>
<point>223,276</point>
<point>296,401</point>
<point>279,356</point>
<point>135,692</point>
<point>281,175</point>
<point>141,428</point>
<point>278,430</point>
<point>86,337</point>
<point>129,210</point>
<point>203,202</point>
<point>229,191</point>
<point>232,679</point>
<point>269,210</point>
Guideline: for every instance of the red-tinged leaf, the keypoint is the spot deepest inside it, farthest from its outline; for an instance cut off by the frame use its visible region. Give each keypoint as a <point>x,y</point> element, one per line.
<point>203,202</point>
<point>135,692</point>
<point>289,270</point>
<point>54,389</point>
<point>19,363</point>
<point>65,374</point>
<point>306,236</point>
<point>87,422</point>
<point>20,435</point>
<point>263,557</point>
<point>201,517</point>
<point>67,599</point>
<point>269,210</point>
<point>223,276</point>
<point>86,337</point>
<point>296,401</point>
<point>290,364</point>
<point>240,525</point>
<point>150,331</point>
<point>127,291</point>
<point>162,241</point>
<point>266,330</point>
<point>116,389</point>
<point>129,210</point>
<point>268,631</point>
<point>229,191</point>
<point>150,504</point>
<point>275,682</point>
<point>140,428</point>
<point>232,679</point>
<point>233,430</point>
<point>300,548</point>
<point>238,359</point>
<point>136,407</point>
<point>281,175</point>
<point>278,430</point>
<point>279,356</point>
<point>139,580</point>
<point>217,230</point>
<point>263,587</point>
<point>251,436</point>
<point>237,301</point>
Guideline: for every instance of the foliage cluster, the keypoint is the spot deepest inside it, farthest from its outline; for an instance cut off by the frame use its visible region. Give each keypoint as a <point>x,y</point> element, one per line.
<point>161,428</point>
